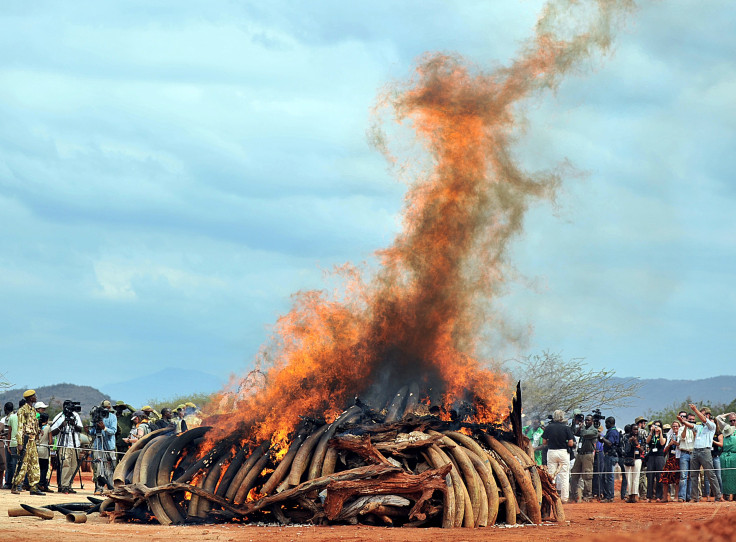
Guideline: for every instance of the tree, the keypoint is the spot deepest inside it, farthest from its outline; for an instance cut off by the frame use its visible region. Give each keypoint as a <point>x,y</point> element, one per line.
<point>548,383</point>
<point>4,384</point>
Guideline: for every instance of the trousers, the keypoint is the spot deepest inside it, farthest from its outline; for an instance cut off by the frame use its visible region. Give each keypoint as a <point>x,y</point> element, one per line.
<point>558,465</point>
<point>583,468</point>
<point>29,466</point>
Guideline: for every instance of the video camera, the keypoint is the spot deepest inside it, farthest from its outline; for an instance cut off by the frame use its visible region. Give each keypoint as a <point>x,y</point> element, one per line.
<point>597,417</point>
<point>98,414</point>
<point>70,407</point>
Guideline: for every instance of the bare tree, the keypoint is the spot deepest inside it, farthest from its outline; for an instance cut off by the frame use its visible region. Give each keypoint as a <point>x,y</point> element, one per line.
<point>4,384</point>
<point>548,382</point>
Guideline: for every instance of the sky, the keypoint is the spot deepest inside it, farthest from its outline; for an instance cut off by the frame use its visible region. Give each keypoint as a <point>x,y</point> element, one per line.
<point>172,172</point>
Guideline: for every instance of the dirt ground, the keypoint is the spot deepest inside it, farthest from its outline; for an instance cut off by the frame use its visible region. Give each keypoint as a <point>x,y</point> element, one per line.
<point>595,521</point>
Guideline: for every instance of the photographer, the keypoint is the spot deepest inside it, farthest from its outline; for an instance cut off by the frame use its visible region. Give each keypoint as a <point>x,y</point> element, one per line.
<point>655,461</point>
<point>588,436</point>
<point>67,425</point>
<point>611,441</point>
<point>102,429</point>
<point>633,453</point>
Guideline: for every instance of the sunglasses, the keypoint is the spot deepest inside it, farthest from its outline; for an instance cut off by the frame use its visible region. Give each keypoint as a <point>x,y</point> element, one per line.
<point>732,421</point>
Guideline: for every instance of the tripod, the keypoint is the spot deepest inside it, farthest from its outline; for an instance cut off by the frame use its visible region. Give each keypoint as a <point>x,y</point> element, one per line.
<point>62,446</point>
<point>102,459</point>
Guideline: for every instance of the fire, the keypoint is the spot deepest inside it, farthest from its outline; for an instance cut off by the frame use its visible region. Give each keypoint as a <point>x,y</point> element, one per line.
<point>422,315</point>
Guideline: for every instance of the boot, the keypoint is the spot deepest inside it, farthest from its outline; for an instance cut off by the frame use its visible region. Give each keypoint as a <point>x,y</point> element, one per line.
<point>16,490</point>
<point>37,492</point>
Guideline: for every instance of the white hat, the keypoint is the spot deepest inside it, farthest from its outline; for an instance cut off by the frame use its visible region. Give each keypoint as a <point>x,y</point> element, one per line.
<point>40,404</point>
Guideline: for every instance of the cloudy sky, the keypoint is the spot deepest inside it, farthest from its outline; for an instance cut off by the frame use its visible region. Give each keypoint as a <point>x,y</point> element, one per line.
<point>171,172</point>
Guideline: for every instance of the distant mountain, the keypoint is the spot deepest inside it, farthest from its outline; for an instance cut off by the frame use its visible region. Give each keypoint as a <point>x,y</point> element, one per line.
<point>55,395</point>
<point>659,393</point>
<point>165,384</point>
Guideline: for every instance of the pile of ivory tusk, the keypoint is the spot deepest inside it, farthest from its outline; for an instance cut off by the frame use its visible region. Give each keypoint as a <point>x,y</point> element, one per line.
<point>415,471</point>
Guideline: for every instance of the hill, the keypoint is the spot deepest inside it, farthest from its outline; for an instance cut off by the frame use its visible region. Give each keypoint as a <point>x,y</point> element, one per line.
<point>55,395</point>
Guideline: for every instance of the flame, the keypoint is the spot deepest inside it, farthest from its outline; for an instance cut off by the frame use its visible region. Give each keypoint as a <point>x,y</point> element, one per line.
<point>253,495</point>
<point>422,314</point>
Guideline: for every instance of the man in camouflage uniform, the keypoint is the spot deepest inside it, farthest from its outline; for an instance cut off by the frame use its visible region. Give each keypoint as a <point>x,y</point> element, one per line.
<point>151,414</point>
<point>124,425</point>
<point>27,434</point>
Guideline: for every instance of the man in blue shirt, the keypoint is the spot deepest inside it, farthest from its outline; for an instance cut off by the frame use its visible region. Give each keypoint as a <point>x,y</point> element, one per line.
<point>104,459</point>
<point>611,441</point>
<point>701,457</point>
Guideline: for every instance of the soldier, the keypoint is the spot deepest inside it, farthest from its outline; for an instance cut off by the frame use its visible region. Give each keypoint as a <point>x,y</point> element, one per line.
<point>27,453</point>
<point>124,425</point>
<point>151,414</point>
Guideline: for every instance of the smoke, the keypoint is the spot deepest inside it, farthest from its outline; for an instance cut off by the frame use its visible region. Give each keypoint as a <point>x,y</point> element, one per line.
<point>420,315</point>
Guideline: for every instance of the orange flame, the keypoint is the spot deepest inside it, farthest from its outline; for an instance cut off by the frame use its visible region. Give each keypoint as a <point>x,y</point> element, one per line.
<point>421,316</point>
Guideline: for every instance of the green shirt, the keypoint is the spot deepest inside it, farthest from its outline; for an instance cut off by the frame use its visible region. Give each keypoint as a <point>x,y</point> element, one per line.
<point>12,422</point>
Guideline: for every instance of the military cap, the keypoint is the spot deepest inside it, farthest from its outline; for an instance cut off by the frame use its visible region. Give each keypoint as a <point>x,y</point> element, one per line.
<point>147,408</point>
<point>181,407</point>
<point>640,419</point>
<point>190,404</point>
<point>28,393</point>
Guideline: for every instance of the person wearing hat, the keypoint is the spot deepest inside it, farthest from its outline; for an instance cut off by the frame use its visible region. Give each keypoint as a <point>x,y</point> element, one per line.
<point>40,407</point>
<point>643,433</point>
<point>140,427</point>
<point>104,459</point>
<point>26,443</point>
<point>702,457</point>
<point>122,415</point>
<point>151,414</point>
<point>727,423</point>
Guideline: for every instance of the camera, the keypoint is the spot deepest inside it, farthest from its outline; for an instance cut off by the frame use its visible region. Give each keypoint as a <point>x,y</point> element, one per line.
<point>597,417</point>
<point>98,414</point>
<point>71,407</point>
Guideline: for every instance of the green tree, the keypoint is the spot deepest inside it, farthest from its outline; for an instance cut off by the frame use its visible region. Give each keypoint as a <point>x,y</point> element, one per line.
<point>199,399</point>
<point>549,382</point>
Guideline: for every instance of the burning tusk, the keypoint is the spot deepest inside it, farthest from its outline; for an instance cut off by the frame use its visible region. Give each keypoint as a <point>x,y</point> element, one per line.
<point>435,461</point>
<point>283,467</point>
<point>303,454</point>
<point>485,472</point>
<point>163,505</point>
<point>318,457</point>
<point>508,492</point>
<point>250,478</point>
<point>522,479</point>
<point>529,465</point>
<point>393,410</point>
<point>469,476</point>
<point>458,487</point>
<point>244,470</point>
<point>130,456</point>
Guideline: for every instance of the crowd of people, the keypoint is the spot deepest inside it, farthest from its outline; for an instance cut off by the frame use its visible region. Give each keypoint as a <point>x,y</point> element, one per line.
<point>32,445</point>
<point>692,457</point>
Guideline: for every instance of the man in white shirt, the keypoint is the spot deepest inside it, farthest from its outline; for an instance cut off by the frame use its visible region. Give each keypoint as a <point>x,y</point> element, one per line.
<point>67,425</point>
<point>701,457</point>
